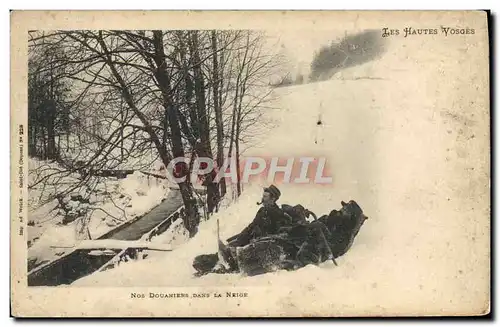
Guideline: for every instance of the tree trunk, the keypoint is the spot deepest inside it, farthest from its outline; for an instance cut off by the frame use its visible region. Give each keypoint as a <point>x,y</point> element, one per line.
<point>233,130</point>
<point>51,135</point>
<point>239,121</point>
<point>218,112</point>
<point>191,131</point>
<point>67,140</point>
<point>192,218</point>
<point>122,122</point>
<point>241,86</point>
<point>233,118</point>
<point>44,144</point>
<point>33,136</point>
<point>51,117</point>
<point>237,149</point>
<point>204,150</point>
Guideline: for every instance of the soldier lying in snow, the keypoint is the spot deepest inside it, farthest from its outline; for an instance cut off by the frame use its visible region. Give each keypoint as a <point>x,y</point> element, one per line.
<point>268,220</point>
<point>284,239</point>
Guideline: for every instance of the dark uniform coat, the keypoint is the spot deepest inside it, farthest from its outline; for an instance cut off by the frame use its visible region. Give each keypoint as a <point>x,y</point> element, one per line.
<point>267,221</point>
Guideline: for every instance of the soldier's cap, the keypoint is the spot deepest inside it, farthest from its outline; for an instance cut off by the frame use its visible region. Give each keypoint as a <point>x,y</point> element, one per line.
<point>273,190</point>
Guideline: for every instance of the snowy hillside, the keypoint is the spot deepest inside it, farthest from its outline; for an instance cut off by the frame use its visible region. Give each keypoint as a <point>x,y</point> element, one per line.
<point>415,164</point>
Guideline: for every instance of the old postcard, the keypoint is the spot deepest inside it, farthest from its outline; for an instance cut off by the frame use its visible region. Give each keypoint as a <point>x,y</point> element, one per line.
<point>250,164</point>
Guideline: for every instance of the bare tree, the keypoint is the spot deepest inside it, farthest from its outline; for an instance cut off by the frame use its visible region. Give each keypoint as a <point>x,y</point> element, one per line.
<point>253,68</point>
<point>216,88</point>
<point>158,94</point>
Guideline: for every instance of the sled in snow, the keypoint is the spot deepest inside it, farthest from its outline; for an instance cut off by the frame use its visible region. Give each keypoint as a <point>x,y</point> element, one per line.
<point>326,238</point>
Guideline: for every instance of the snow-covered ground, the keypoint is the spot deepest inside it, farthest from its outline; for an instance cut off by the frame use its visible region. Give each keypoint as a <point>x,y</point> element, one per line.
<point>114,202</point>
<point>176,235</point>
<point>414,161</point>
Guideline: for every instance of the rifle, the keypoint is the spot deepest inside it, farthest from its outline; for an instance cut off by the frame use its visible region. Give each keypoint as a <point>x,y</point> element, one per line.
<point>328,248</point>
